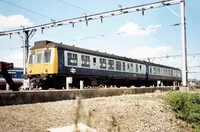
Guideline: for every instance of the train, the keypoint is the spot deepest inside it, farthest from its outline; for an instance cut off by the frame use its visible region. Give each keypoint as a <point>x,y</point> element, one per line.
<point>49,63</point>
<point>16,75</point>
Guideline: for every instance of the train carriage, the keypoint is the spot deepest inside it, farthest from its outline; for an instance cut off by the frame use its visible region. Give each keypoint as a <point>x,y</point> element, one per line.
<point>165,74</point>
<point>49,64</point>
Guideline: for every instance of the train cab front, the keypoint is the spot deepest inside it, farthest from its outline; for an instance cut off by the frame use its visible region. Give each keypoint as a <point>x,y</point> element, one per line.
<point>42,62</point>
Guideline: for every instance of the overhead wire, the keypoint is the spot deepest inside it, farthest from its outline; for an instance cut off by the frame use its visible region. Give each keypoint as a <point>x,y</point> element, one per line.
<point>67,3</point>
<point>192,59</point>
<point>26,9</point>
<point>78,7</point>
<point>177,24</point>
<point>172,11</point>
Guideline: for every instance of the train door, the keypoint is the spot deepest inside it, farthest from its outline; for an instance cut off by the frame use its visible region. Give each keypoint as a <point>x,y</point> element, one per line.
<point>148,71</point>
<point>94,63</point>
<point>61,61</point>
<point>128,67</point>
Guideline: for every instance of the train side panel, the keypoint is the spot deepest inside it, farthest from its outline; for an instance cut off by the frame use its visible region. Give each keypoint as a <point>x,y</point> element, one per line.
<point>93,69</point>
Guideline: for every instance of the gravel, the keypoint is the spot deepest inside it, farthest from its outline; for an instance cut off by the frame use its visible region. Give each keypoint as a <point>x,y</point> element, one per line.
<point>126,113</point>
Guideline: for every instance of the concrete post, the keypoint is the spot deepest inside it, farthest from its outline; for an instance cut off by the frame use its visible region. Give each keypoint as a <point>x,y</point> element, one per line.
<point>7,87</point>
<point>158,83</point>
<point>184,46</point>
<point>81,84</point>
<point>68,81</point>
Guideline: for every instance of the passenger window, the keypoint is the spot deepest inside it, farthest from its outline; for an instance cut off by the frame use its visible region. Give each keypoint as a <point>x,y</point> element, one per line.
<point>72,59</point>
<point>102,63</point>
<point>38,57</point>
<point>165,72</point>
<point>118,65</point>
<point>124,66</point>
<point>140,67</point>
<point>150,70</point>
<point>158,71</point>
<point>154,70</point>
<point>111,64</point>
<point>128,66</point>
<point>32,58</point>
<point>47,56</point>
<point>131,64</point>
<point>85,61</point>
<point>168,72</point>
<point>176,73</point>
<point>94,60</point>
<point>136,68</point>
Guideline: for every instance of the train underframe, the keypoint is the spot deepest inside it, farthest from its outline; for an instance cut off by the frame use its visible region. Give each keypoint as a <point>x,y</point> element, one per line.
<point>59,82</point>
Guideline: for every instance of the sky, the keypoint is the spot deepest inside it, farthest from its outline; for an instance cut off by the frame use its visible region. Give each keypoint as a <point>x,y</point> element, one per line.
<point>133,35</point>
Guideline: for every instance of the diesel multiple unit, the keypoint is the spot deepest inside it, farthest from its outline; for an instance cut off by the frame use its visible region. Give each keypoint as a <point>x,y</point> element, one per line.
<point>49,64</point>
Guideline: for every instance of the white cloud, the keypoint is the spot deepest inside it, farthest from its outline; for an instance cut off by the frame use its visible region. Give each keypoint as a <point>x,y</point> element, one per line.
<point>14,21</point>
<point>133,29</point>
<point>144,52</point>
<point>14,57</point>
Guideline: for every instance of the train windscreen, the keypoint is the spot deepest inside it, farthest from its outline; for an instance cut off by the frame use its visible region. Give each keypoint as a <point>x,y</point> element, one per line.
<point>31,58</point>
<point>47,56</point>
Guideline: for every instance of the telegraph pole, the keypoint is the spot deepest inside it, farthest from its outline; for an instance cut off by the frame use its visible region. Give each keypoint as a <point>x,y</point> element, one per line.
<point>27,35</point>
<point>25,50</point>
<point>184,46</point>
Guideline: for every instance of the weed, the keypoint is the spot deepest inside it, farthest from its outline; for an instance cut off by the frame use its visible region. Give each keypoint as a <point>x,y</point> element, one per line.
<point>187,107</point>
<point>112,124</point>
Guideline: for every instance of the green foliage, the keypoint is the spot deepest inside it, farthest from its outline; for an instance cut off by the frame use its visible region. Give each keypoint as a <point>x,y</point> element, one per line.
<point>187,107</point>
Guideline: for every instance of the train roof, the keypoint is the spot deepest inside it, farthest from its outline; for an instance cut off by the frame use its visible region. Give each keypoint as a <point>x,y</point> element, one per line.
<point>43,44</point>
<point>51,44</point>
<point>164,66</point>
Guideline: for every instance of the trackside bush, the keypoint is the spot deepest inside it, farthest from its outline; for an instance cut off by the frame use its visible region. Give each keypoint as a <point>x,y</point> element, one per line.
<point>187,107</point>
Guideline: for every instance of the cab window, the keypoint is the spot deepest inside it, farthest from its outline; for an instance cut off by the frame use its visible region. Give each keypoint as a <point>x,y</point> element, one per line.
<point>31,58</point>
<point>38,57</point>
<point>47,56</point>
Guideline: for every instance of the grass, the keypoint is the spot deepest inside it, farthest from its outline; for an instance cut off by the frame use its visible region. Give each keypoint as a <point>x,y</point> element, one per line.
<point>187,107</point>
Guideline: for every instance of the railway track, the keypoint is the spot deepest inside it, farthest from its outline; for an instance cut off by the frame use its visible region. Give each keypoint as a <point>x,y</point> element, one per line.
<point>38,96</point>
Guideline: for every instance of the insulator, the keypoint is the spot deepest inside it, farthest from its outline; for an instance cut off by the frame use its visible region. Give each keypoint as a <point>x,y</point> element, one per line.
<point>143,11</point>
<point>101,19</point>
<point>86,22</point>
